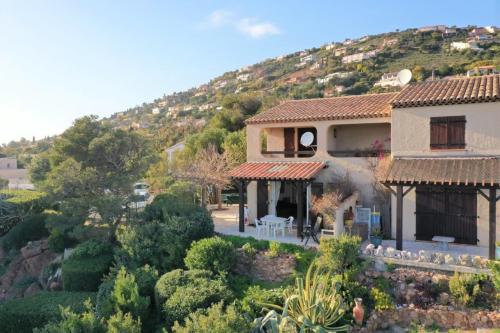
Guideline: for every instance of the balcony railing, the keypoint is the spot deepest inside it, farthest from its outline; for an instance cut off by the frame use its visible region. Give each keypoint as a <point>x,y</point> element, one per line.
<point>359,153</point>
<point>289,153</point>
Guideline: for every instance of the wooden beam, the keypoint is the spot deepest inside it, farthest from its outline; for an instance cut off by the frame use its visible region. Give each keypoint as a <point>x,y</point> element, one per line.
<point>408,190</point>
<point>389,188</point>
<point>300,209</point>
<point>241,192</point>
<point>399,217</point>
<point>493,221</point>
<point>484,195</point>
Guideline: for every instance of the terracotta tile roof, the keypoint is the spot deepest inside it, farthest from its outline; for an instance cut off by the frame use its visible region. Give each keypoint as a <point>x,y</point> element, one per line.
<point>277,170</point>
<point>484,88</point>
<point>345,107</point>
<point>444,171</point>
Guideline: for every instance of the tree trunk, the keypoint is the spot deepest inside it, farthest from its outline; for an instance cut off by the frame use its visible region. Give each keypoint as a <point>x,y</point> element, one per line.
<point>219,198</point>
<point>203,197</point>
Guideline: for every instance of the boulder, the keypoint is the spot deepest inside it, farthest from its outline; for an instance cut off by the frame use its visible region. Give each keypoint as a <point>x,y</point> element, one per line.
<point>449,259</point>
<point>379,252</point>
<point>380,266</point>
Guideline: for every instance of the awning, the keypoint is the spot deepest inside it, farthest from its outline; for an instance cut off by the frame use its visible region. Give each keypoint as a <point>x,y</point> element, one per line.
<point>444,171</point>
<point>277,170</point>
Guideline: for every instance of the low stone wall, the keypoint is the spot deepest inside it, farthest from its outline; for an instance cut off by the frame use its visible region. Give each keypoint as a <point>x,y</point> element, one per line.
<point>440,316</point>
<point>263,267</point>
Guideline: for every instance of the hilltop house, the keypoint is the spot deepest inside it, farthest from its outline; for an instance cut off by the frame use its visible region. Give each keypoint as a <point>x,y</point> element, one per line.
<point>389,80</point>
<point>445,157</point>
<point>459,46</point>
<point>358,57</point>
<point>17,178</point>
<point>170,151</point>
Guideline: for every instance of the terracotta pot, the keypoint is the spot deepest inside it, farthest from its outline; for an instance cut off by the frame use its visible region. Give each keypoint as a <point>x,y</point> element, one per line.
<point>358,312</point>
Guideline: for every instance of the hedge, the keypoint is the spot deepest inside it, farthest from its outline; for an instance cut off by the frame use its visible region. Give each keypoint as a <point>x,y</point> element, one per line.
<point>24,314</point>
<point>85,274</point>
<point>31,229</point>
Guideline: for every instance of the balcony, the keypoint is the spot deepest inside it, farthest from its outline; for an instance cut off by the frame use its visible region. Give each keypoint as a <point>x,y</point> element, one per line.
<point>288,153</point>
<point>369,152</point>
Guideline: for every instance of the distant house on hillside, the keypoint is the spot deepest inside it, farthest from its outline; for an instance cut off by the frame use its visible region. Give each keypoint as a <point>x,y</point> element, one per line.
<point>243,77</point>
<point>431,28</point>
<point>448,32</point>
<point>483,70</point>
<point>459,46</point>
<point>388,80</point>
<point>155,111</point>
<point>358,57</point>
<point>170,151</point>
<point>17,178</point>
<point>389,42</point>
<point>308,58</point>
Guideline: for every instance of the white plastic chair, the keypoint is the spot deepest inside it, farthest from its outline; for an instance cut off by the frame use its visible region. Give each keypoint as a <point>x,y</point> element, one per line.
<point>260,226</point>
<point>289,223</point>
<point>279,227</point>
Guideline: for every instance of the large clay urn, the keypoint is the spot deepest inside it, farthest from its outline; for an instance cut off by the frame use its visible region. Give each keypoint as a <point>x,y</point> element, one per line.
<point>358,312</point>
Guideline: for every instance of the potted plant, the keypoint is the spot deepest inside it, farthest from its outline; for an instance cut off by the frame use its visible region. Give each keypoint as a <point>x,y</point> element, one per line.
<point>376,237</point>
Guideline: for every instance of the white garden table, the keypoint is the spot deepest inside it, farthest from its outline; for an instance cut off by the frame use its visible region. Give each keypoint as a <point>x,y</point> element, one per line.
<point>272,222</point>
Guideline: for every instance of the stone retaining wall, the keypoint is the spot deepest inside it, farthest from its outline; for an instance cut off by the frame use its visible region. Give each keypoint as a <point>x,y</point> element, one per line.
<point>440,316</point>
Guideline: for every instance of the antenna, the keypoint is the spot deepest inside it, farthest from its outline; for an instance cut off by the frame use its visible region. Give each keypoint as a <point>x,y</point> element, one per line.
<point>307,139</point>
<point>404,76</point>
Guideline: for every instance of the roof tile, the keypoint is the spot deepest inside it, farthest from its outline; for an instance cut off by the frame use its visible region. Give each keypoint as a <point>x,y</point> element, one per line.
<point>484,88</point>
<point>277,170</point>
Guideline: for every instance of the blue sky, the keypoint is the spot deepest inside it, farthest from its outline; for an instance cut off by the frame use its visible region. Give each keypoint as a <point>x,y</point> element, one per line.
<point>63,59</point>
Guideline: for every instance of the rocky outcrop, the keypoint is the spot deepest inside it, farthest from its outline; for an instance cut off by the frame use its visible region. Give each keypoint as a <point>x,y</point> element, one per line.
<point>263,267</point>
<point>30,263</point>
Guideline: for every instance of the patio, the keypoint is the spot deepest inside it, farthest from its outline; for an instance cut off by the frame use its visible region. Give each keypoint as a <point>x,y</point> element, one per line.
<point>226,223</point>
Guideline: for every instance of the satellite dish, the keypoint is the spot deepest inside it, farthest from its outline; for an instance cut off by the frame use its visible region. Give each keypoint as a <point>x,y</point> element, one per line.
<point>307,139</point>
<point>404,76</point>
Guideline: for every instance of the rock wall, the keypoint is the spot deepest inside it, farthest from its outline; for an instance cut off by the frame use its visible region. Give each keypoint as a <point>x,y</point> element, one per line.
<point>438,315</point>
<point>263,267</point>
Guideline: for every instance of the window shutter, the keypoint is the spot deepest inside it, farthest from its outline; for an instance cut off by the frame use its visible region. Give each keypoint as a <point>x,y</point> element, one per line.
<point>456,132</point>
<point>439,133</point>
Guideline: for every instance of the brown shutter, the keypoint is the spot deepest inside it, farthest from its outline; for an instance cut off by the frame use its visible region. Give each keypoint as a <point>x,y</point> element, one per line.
<point>289,142</point>
<point>439,133</point>
<point>456,132</point>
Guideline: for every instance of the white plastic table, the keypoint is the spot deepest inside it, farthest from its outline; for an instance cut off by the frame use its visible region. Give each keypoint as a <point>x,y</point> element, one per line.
<point>273,221</point>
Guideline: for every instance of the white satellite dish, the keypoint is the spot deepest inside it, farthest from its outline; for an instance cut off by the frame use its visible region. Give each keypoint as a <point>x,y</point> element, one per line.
<point>307,139</point>
<point>404,76</point>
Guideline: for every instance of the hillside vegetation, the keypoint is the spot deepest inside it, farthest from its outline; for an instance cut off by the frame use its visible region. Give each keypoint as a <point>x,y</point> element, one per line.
<point>316,72</point>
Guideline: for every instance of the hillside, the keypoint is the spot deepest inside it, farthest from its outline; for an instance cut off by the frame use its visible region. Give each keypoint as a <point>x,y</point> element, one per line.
<point>353,66</point>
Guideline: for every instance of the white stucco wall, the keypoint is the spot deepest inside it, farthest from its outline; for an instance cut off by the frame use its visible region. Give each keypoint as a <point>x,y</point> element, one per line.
<point>409,218</point>
<point>410,130</point>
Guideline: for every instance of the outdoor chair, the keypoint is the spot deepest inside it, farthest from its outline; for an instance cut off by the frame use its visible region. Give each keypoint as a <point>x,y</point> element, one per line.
<point>279,228</point>
<point>260,226</point>
<point>289,223</point>
<point>312,231</point>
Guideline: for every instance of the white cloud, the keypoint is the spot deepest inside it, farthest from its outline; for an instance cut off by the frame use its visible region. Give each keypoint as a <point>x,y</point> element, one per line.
<point>251,27</point>
<point>256,29</point>
<point>220,17</point>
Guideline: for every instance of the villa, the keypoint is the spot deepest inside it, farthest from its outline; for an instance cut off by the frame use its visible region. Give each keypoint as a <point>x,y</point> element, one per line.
<point>442,138</point>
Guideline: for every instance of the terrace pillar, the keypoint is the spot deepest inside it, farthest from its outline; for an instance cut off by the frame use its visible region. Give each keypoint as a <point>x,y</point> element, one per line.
<point>241,193</point>
<point>300,209</point>
<point>493,221</point>
<point>399,217</point>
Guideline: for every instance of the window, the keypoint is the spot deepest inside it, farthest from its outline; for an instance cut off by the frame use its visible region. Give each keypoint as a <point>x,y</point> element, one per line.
<point>448,132</point>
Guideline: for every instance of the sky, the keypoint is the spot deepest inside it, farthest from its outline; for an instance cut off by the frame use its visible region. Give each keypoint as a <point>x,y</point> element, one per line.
<point>60,60</point>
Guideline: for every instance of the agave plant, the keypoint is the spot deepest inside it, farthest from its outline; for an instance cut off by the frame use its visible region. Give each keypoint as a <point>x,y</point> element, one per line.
<point>313,306</point>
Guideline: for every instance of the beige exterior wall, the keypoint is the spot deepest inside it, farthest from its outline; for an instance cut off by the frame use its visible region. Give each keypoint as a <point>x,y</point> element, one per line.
<point>409,218</point>
<point>8,163</point>
<point>410,133</point>
<point>359,137</point>
<point>410,137</point>
<point>356,134</point>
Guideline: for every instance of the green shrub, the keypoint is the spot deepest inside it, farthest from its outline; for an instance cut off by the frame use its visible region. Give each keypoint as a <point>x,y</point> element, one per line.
<point>249,250</point>
<point>75,322</point>
<point>495,270</point>
<point>104,307</point>
<point>256,298</point>
<point>31,229</point>
<point>381,299</point>
<point>120,323</point>
<point>340,254</point>
<point>274,249</point>
<point>17,205</point>
<point>213,254</point>
<point>85,274</point>
<point>125,296</point>
<point>163,244</point>
<point>24,314</point>
<point>170,204</point>
<point>215,319</point>
<point>57,241</point>
<point>146,278</point>
<point>92,248</point>
<point>473,290</point>
<point>179,293</point>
